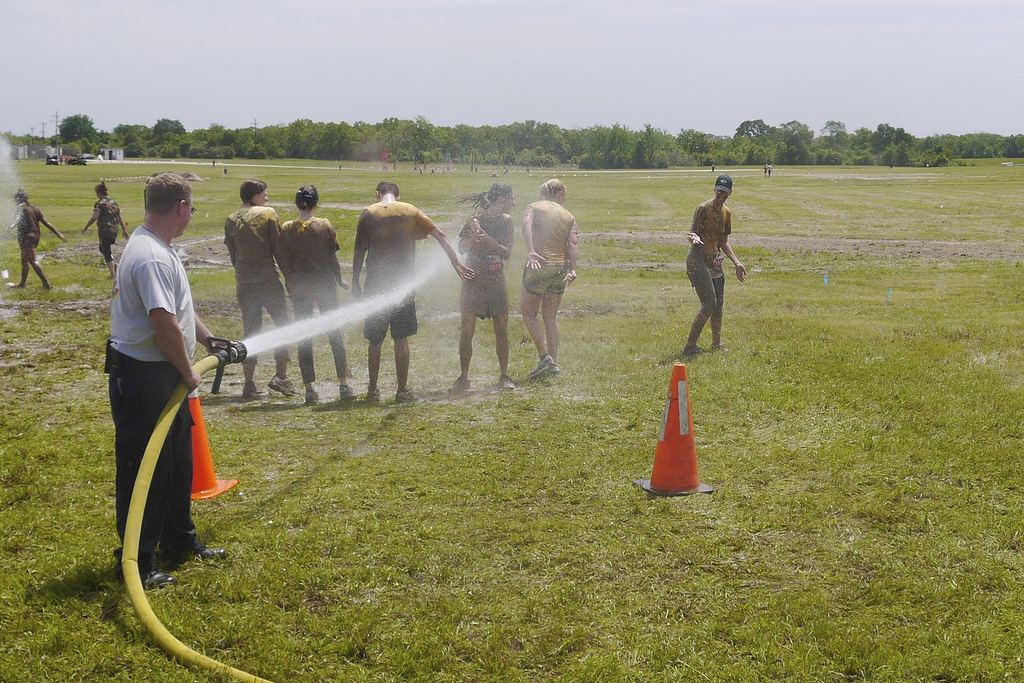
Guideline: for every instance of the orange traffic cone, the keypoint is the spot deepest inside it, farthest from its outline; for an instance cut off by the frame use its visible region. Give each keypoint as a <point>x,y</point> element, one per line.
<point>205,483</point>
<point>675,460</point>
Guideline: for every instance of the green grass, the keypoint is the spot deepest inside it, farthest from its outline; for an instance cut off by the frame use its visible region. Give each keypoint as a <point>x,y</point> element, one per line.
<point>865,450</point>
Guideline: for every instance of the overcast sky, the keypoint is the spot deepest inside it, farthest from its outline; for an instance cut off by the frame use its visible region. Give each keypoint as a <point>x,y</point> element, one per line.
<point>928,66</point>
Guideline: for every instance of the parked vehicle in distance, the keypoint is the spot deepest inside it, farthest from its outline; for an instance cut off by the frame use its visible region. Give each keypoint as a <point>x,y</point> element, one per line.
<point>53,160</point>
<point>76,160</point>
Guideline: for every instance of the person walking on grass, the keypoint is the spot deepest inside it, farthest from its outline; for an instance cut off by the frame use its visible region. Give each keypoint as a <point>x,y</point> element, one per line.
<point>486,242</point>
<point>106,214</point>
<point>251,234</point>
<point>709,239</point>
<point>27,220</point>
<point>153,333</point>
<point>550,234</point>
<point>307,254</point>
<point>386,238</point>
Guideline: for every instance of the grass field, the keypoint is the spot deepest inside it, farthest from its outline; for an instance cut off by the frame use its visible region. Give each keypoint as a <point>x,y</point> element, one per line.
<point>865,445</point>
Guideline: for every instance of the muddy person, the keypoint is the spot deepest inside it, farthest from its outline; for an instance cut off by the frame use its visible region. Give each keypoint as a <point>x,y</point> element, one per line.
<point>486,242</point>
<point>308,256</point>
<point>153,333</point>
<point>709,240</point>
<point>386,238</point>
<point>106,214</point>
<point>251,234</point>
<point>27,220</point>
<point>550,234</point>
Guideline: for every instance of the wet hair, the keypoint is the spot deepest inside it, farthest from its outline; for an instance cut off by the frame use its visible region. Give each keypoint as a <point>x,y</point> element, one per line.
<point>101,189</point>
<point>307,197</point>
<point>249,189</point>
<point>482,200</point>
<point>21,196</point>
<point>387,187</point>
<point>551,188</point>
<point>164,191</point>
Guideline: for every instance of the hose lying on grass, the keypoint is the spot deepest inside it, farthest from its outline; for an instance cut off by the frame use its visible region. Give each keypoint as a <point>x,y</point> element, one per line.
<point>133,529</point>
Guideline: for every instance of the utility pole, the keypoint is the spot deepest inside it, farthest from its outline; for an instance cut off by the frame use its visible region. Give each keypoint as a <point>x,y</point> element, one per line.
<point>254,138</point>
<point>56,131</point>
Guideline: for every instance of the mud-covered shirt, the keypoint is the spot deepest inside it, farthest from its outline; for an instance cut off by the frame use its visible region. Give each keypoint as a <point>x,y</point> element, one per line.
<point>713,226</point>
<point>307,252</point>
<point>483,259</point>
<point>251,235</point>
<point>109,222</point>
<point>552,225</point>
<point>387,233</point>
<point>27,221</point>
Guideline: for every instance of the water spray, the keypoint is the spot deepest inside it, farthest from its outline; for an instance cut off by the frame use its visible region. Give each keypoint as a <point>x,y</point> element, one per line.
<point>432,265</point>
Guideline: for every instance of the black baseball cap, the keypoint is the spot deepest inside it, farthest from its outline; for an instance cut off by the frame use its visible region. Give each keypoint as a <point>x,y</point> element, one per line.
<point>723,183</point>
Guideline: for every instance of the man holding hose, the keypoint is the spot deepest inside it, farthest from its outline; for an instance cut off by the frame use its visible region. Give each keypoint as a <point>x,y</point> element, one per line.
<point>154,330</point>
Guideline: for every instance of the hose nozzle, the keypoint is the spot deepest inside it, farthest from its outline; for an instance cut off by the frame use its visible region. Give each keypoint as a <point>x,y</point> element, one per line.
<point>229,352</point>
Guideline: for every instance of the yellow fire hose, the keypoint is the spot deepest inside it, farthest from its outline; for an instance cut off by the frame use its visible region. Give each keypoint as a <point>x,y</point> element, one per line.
<point>133,529</point>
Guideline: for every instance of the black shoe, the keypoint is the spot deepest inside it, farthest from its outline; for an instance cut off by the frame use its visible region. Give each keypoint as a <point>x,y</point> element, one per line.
<point>157,579</point>
<point>204,553</point>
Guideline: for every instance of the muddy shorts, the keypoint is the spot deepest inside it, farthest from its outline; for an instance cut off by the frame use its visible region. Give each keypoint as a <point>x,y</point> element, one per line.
<point>27,241</point>
<point>401,319</point>
<point>547,280</point>
<point>485,296</point>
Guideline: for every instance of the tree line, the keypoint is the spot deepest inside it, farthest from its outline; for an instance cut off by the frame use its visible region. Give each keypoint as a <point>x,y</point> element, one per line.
<point>530,143</point>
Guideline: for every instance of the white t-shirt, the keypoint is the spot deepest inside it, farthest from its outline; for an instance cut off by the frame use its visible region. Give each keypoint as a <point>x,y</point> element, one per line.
<point>150,276</point>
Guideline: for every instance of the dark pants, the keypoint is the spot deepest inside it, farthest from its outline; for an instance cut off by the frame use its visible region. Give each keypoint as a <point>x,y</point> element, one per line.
<point>710,290</point>
<point>138,393</point>
<point>323,296</point>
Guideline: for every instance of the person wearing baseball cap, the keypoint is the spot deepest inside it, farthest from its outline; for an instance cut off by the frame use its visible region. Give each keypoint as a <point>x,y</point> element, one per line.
<point>709,240</point>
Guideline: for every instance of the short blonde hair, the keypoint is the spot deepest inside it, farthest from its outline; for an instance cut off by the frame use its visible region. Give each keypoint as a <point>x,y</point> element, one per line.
<point>551,188</point>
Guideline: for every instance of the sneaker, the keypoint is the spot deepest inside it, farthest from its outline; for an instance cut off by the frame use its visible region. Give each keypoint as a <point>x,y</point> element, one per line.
<point>543,367</point>
<point>283,386</point>
<point>373,396</point>
<point>461,385</point>
<point>719,347</point>
<point>505,382</point>
<point>554,370</point>
<point>312,398</point>
<point>404,396</point>
<point>693,351</point>
<point>15,285</point>
<point>250,390</point>
<point>345,392</point>
<point>47,285</point>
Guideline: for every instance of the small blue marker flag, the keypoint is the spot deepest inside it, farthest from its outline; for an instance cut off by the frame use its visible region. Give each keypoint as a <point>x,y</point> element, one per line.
<point>889,295</point>
<point>826,279</point>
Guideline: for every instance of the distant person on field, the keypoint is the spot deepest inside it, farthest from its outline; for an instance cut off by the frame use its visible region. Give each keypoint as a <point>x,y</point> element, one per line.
<point>386,238</point>
<point>709,239</point>
<point>307,254</point>
<point>106,214</point>
<point>251,234</point>
<point>27,220</point>
<point>550,235</point>
<point>486,242</point>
